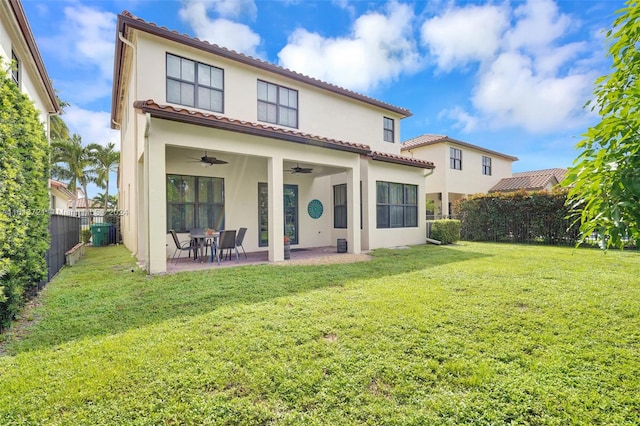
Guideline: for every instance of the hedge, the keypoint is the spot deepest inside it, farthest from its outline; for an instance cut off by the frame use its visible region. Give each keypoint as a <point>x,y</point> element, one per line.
<point>24,199</point>
<point>526,217</point>
<point>446,231</point>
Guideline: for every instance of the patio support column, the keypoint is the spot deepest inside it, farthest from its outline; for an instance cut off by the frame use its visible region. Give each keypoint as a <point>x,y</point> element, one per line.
<point>276,208</point>
<point>445,205</point>
<point>353,219</point>
<point>157,208</point>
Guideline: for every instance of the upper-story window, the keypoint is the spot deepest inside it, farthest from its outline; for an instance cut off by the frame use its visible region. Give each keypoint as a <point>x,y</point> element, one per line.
<point>15,68</point>
<point>456,158</point>
<point>486,165</point>
<point>388,129</point>
<point>277,104</point>
<point>194,84</point>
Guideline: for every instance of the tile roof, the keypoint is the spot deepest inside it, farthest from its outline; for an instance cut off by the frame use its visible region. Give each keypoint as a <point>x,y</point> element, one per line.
<point>401,159</point>
<point>127,20</point>
<point>62,187</point>
<point>558,173</point>
<point>528,183</point>
<point>185,115</point>
<point>427,139</point>
<point>188,116</point>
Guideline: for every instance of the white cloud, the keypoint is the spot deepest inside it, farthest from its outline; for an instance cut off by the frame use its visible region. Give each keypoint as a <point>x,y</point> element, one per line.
<point>462,35</point>
<point>379,49</point>
<point>85,42</point>
<point>511,94</point>
<point>528,76</point>
<point>93,126</point>
<point>222,31</point>
<point>539,24</point>
<point>88,35</point>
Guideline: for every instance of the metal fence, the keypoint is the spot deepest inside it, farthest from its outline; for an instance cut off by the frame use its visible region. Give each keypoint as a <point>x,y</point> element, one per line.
<point>110,223</point>
<point>65,234</point>
<point>523,229</point>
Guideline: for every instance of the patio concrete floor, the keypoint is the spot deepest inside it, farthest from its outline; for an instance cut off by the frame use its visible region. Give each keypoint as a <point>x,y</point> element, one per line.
<point>313,255</point>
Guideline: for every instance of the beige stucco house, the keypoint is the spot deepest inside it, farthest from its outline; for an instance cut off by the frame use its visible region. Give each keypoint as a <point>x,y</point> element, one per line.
<point>17,44</point>
<point>301,157</point>
<point>461,169</point>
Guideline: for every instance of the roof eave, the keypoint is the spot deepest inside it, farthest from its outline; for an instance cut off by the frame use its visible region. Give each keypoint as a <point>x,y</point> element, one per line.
<point>250,129</point>
<point>25,29</point>
<point>125,22</point>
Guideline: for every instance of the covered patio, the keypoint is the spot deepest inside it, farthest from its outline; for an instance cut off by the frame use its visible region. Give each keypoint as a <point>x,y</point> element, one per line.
<point>299,256</point>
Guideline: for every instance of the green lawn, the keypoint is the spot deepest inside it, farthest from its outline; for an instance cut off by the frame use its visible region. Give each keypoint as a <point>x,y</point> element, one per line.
<point>465,334</point>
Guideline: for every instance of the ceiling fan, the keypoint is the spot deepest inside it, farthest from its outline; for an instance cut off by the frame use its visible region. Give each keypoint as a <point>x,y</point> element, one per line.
<point>207,160</point>
<point>298,169</point>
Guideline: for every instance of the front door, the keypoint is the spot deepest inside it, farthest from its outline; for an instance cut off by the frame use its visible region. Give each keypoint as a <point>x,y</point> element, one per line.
<point>291,212</point>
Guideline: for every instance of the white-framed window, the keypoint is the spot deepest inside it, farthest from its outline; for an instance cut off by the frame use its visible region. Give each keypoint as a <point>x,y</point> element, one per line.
<point>277,104</point>
<point>456,158</point>
<point>340,206</point>
<point>15,68</point>
<point>486,165</point>
<point>194,84</point>
<point>396,205</point>
<point>388,129</point>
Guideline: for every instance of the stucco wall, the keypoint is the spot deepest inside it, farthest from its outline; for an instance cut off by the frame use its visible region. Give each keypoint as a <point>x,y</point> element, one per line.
<point>319,113</point>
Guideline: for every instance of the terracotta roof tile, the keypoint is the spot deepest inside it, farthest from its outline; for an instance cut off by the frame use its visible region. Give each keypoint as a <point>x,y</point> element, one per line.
<point>258,129</point>
<point>528,183</point>
<point>427,139</point>
<point>401,159</point>
<point>558,173</point>
<point>126,18</point>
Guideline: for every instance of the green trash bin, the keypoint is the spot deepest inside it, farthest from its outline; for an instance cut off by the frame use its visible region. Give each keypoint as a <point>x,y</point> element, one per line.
<point>100,234</point>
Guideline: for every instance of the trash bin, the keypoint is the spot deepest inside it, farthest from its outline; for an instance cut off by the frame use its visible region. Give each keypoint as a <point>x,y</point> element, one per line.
<point>100,234</point>
<point>342,245</point>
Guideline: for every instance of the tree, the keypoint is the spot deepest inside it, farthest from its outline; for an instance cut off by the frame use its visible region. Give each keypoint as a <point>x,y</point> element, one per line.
<point>24,199</point>
<point>604,181</point>
<point>100,197</point>
<point>105,160</point>
<point>72,162</point>
<point>59,129</point>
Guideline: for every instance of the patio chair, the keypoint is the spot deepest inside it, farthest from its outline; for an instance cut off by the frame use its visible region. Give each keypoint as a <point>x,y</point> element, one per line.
<point>240,239</point>
<point>227,242</point>
<point>180,247</point>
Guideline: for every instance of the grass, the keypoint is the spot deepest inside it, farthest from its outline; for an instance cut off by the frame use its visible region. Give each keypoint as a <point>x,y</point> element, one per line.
<point>467,334</point>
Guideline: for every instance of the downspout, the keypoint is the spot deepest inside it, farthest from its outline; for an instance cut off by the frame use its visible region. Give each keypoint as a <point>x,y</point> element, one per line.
<point>147,129</point>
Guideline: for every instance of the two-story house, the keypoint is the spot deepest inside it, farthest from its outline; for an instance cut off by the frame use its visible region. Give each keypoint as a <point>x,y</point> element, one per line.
<point>215,139</point>
<point>18,48</point>
<point>461,169</point>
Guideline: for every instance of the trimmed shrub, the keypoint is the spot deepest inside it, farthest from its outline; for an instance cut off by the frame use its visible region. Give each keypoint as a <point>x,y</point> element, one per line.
<point>24,199</point>
<point>525,217</point>
<point>446,231</point>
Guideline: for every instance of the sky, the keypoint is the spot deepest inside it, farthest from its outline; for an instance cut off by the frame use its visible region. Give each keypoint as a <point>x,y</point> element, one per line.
<point>510,76</point>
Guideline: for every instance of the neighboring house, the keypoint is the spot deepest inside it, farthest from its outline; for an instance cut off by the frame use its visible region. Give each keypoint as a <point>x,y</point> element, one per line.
<point>303,157</point>
<point>461,169</point>
<point>536,180</point>
<point>61,199</point>
<point>18,44</point>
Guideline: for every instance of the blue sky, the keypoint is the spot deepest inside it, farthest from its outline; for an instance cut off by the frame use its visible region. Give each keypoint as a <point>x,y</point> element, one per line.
<point>511,76</point>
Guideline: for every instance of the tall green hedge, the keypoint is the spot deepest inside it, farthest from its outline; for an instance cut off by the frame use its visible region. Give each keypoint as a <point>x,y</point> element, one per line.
<point>24,199</point>
<point>527,217</point>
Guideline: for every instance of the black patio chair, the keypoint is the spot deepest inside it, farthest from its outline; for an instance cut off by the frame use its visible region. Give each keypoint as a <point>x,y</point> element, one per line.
<point>240,239</point>
<point>180,247</point>
<point>227,242</point>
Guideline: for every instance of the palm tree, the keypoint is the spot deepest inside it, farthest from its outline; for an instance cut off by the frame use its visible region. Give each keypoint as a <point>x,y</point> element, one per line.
<point>100,197</point>
<point>72,162</point>
<point>105,160</point>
